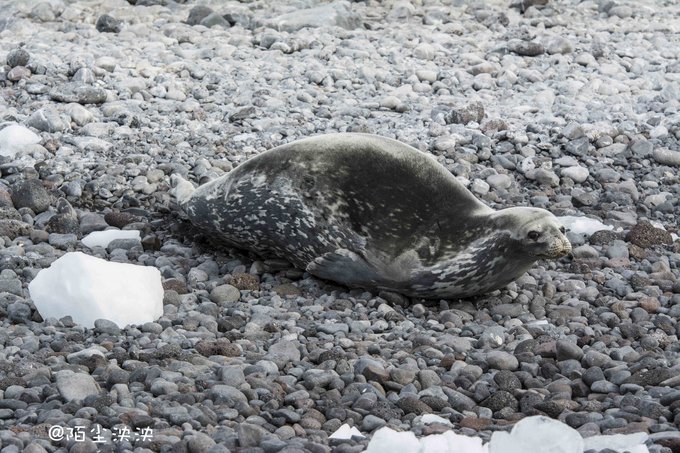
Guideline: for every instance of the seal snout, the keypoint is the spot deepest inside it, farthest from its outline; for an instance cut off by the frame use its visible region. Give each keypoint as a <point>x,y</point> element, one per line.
<point>560,247</point>
<point>566,246</point>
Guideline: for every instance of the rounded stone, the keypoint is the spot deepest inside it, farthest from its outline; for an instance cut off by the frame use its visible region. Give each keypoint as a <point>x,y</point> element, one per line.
<point>225,294</point>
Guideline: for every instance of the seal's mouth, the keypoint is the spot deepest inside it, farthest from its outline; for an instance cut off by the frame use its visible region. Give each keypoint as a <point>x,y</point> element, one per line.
<point>559,248</point>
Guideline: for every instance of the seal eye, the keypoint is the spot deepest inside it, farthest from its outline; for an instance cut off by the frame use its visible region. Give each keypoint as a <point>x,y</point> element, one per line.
<point>562,230</point>
<point>533,235</point>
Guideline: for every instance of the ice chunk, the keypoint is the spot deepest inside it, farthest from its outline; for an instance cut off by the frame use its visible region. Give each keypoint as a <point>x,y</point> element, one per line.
<point>88,288</point>
<point>450,442</point>
<point>345,432</point>
<point>387,440</point>
<point>583,225</point>
<point>102,238</point>
<point>632,443</point>
<point>14,137</point>
<point>537,434</point>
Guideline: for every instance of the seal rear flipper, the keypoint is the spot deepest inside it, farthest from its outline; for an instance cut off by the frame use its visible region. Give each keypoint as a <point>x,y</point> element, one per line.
<point>347,267</point>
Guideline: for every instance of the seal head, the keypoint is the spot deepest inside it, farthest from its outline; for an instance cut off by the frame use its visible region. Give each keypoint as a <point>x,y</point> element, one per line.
<point>536,232</point>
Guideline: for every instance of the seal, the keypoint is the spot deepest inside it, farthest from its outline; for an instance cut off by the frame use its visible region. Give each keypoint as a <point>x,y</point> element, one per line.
<point>371,212</point>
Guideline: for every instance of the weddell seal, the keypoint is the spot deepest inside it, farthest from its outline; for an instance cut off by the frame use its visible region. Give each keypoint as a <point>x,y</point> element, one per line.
<point>371,212</point>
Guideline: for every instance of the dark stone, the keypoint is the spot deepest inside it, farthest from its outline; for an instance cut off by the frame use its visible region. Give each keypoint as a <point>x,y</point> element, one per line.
<point>526,48</point>
<point>650,377</point>
<point>108,24</point>
<point>565,350</point>
<point>523,5</point>
<point>473,112</point>
<point>499,400</point>
<point>30,193</point>
<point>168,351</point>
<point>592,374</point>
<point>217,347</point>
<point>375,373</point>
<point>603,237</point>
<point>197,14</point>
<point>17,57</point>
<point>550,408</point>
<point>176,285</point>
<point>242,114</point>
<point>506,380</point>
<point>14,228</point>
<point>65,221</point>
<point>244,282</point>
<point>120,219</point>
<point>77,92</point>
<point>645,235</point>
<point>436,403</point>
<point>410,404</point>
<point>386,410</point>
<point>578,147</point>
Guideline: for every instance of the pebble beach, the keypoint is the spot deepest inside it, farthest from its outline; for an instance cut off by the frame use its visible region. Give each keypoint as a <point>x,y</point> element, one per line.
<point>571,106</point>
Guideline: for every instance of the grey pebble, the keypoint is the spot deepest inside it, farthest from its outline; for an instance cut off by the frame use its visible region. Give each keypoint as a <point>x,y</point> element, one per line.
<point>76,386</point>
<point>501,360</point>
<point>108,24</point>
<point>31,194</point>
<point>17,57</point>
<point>79,93</point>
<point>224,294</point>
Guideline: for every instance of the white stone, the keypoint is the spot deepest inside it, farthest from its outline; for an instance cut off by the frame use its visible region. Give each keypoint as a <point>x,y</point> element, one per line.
<point>103,238</point>
<point>76,386</point>
<point>582,224</point>
<point>14,137</point>
<point>666,156</point>
<point>576,173</point>
<point>424,51</point>
<point>88,288</point>
<point>479,187</point>
<point>428,419</point>
<point>79,114</point>
<point>346,432</point>
<point>537,434</point>
<point>500,181</point>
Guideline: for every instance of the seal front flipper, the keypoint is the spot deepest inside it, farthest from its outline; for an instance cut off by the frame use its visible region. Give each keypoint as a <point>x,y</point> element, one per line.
<point>345,266</point>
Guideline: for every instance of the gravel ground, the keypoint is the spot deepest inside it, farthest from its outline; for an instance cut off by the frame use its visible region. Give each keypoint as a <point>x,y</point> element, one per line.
<point>570,106</point>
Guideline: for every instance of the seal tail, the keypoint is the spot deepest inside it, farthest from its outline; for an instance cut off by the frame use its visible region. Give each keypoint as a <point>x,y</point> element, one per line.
<point>181,189</point>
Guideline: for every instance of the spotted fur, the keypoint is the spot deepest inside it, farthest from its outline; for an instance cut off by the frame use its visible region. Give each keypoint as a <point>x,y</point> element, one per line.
<point>371,212</point>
